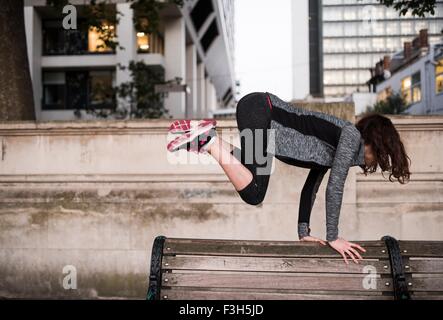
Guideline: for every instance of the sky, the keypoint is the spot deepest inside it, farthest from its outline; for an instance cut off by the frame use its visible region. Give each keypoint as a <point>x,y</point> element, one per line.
<point>263,46</point>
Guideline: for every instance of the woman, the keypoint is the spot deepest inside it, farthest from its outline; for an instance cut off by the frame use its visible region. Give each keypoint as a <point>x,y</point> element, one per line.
<point>272,127</point>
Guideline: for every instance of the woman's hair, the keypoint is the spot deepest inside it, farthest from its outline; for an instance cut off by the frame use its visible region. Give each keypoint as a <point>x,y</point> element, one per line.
<point>387,147</point>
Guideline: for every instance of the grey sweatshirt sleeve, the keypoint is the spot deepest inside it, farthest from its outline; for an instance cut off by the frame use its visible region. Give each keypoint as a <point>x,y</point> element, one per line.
<point>345,152</point>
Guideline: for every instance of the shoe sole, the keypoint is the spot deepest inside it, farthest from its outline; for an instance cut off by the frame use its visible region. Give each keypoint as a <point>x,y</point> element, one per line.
<point>178,142</point>
<point>182,126</point>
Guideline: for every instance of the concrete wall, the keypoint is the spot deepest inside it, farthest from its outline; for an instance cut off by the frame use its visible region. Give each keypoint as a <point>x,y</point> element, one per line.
<point>94,195</point>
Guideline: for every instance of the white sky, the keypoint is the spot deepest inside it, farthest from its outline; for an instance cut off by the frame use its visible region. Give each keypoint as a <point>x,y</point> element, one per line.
<point>263,46</point>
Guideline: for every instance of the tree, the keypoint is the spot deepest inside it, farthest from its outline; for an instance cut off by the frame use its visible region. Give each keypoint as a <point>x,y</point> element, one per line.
<point>16,98</point>
<point>417,8</point>
<point>394,104</point>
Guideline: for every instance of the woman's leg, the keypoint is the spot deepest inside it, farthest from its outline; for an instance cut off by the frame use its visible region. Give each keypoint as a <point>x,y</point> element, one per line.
<point>250,178</point>
<point>238,174</point>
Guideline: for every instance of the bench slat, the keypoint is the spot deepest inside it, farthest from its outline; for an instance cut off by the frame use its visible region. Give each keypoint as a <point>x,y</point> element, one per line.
<point>246,264</point>
<point>427,283</point>
<point>262,242</point>
<point>182,294</point>
<point>294,249</point>
<point>273,281</point>
<point>425,266</point>
<point>421,249</point>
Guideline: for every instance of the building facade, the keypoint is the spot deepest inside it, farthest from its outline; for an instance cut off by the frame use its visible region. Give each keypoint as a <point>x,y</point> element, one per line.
<point>351,36</point>
<point>73,70</point>
<point>416,73</point>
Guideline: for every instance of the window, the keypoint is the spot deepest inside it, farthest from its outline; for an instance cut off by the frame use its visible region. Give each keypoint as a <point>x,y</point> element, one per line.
<point>439,77</point>
<point>78,89</point>
<point>384,94</point>
<point>53,90</point>
<point>411,88</point>
<point>58,41</point>
<point>95,42</point>
<point>148,43</point>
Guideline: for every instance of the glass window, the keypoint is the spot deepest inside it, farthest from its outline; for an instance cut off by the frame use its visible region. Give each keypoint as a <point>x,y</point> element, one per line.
<point>392,28</point>
<point>78,89</point>
<point>333,61</point>
<point>333,29</point>
<point>365,61</point>
<point>351,29</point>
<point>333,45</point>
<point>378,44</point>
<point>364,44</point>
<point>95,42</point>
<point>378,28</point>
<point>58,41</point>
<point>411,88</point>
<point>350,13</point>
<point>351,61</point>
<point>407,27</point>
<point>101,89</point>
<point>439,77</point>
<point>350,45</point>
<point>53,90</point>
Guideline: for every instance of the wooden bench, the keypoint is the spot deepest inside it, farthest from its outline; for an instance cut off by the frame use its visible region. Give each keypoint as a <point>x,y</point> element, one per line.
<point>186,269</point>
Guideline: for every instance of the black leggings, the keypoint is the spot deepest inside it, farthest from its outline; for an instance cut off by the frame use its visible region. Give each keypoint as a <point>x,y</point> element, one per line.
<point>254,112</point>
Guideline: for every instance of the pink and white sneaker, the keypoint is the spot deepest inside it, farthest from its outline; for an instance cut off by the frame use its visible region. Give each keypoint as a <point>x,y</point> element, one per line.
<point>183,126</point>
<point>197,140</point>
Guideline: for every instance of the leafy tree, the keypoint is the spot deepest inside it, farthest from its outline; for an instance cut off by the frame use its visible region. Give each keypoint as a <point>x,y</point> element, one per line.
<point>394,104</point>
<point>417,8</point>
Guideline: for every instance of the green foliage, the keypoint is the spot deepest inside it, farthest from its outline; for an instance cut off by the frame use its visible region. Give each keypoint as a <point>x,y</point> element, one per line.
<point>417,8</point>
<point>140,91</point>
<point>394,104</point>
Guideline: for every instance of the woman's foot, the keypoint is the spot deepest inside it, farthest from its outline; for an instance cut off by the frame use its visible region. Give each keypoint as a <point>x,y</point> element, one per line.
<point>184,126</point>
<point>197,139</point>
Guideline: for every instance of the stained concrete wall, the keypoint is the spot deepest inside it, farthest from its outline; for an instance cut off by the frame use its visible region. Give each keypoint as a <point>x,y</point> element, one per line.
<point>94,195</point>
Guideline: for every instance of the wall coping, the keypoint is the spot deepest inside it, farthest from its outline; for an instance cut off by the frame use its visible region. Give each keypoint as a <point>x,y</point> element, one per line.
<point>160,126</point>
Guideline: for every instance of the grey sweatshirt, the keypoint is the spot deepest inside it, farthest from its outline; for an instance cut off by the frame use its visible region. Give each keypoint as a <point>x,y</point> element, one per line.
<point>318,141</point>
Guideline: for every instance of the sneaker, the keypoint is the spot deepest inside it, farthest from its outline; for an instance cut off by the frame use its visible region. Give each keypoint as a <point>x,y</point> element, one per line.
<point>184,126</point>
<point>197,141</point>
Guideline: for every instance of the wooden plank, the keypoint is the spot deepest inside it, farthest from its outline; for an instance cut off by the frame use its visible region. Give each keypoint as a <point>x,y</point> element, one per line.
<point>260,242</point>
<point>421,249</point>
<point>426,283</point>
<point>424,266</point>
<point>247,264</point>
<point>324,282</point>
<point>198,294</point>
<point>293,249</point>
<point>427,295</point>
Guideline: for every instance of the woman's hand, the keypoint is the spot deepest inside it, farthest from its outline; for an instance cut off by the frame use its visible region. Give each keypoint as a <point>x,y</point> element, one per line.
<point>312,239</point>
<point>347,248</point>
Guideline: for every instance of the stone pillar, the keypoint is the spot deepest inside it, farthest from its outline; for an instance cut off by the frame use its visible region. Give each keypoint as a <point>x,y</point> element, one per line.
<point>127,39</point>
<point>211,97</point>
<point>175,64</point>
<point>191,80</point>
<point>201,103</point>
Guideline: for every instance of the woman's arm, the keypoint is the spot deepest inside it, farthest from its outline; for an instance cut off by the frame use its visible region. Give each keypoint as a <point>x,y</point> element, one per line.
<point>344,155</point>
<point>346,149</point>
<point>307,200</point>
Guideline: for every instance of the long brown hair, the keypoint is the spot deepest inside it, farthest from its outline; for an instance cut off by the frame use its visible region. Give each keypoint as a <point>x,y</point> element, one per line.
<point>389,152</point>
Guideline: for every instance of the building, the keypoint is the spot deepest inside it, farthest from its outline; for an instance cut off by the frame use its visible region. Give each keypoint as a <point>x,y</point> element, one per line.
<point>70,72</point>
<point>345,39</point>
<point>416,72</point>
